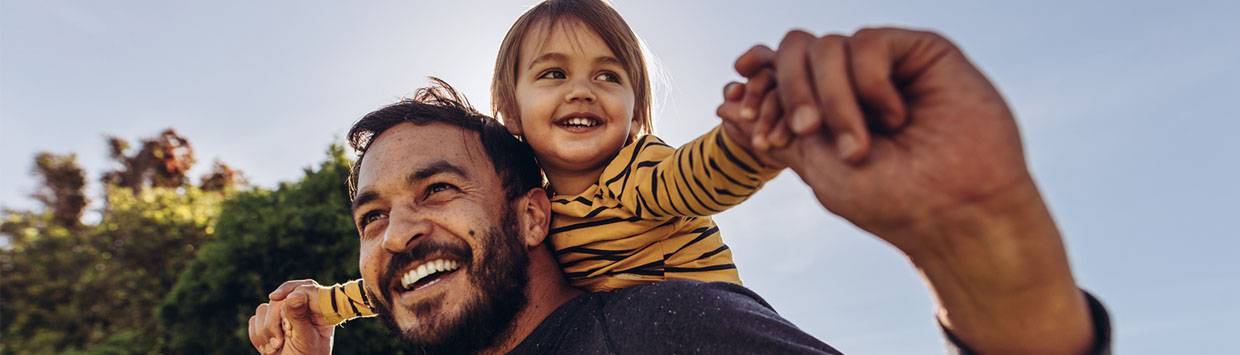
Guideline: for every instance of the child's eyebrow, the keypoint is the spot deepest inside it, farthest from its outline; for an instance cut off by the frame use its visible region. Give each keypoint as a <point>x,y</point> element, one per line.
<point>548,57</point>
<point>561,57</point>
<point>608,60</point>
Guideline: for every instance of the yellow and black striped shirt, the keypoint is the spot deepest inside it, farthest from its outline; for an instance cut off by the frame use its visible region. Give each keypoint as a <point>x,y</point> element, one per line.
<point>646,220</point>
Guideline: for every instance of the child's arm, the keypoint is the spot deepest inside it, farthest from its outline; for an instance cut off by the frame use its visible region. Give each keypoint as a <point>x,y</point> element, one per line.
<point>705,176</point>
<point>340,303</point>
<point>328,305</point>
<point>290,315</point>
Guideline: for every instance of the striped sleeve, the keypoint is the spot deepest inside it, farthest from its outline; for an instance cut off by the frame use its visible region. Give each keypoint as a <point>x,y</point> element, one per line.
<point>704,177</point>
<point>343,302</point>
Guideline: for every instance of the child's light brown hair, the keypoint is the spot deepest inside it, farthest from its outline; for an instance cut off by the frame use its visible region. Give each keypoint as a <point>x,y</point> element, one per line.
<point>594,14</point>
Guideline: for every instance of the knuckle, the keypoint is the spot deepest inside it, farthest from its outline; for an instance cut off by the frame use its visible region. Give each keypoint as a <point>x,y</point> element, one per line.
<point>795,36</point>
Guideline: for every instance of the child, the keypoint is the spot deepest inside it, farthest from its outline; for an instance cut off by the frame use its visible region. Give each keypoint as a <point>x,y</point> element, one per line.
<point>571,81</point>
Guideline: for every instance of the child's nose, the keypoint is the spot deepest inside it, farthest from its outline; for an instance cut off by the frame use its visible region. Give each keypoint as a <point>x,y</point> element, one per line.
<point>581,90</point>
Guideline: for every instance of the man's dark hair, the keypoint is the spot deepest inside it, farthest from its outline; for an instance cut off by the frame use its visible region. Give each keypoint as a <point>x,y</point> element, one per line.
<point>513,160</point>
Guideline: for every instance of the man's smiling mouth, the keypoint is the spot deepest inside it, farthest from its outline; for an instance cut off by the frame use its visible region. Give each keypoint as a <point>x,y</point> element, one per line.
<point>426,274</point>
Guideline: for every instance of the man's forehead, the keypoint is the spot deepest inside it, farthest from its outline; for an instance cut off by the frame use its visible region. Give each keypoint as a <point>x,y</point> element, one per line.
<point>406,146</point>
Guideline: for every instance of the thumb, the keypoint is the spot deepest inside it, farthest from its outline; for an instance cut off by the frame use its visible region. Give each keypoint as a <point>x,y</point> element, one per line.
<point>296,306</point>
<point>302,336</point>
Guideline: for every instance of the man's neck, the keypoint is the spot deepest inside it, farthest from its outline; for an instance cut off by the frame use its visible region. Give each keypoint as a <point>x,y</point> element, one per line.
<point>546,292</point>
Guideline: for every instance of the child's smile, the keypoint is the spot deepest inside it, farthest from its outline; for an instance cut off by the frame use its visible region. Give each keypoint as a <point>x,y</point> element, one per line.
<point>575,102</point>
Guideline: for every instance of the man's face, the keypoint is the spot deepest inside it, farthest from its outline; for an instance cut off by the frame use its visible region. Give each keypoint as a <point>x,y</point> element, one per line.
<point>438,238</point>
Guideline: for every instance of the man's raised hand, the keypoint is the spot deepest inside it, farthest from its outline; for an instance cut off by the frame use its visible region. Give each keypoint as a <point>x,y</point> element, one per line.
<point>897,132</point>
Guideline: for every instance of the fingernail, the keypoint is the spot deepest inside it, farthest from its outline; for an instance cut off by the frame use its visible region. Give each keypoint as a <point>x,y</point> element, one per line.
<point>728,90</point>
<point>779,140</point>
<point>747,114</point>
<point>803,119</point>
<point>760,143</point>
<point>847,145</point>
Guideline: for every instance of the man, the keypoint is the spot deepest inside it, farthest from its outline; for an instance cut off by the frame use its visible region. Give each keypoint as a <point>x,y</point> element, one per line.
<point>932,164</point>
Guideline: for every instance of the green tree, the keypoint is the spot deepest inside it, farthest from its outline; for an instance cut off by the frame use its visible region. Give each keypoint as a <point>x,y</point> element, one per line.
<point>263,238</point>
<point>70,287</point>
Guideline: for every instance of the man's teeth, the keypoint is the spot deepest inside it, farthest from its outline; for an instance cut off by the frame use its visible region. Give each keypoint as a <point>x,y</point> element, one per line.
<point>426,269</point>
<point>580,121</point>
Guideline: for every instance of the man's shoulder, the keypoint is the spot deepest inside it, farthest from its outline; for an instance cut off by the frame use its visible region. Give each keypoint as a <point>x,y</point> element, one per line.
<point>683,294</point>
<point>699,317</point>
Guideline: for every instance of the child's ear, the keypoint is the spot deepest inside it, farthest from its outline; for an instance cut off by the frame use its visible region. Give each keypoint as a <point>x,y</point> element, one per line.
<point>513,125</point>
<point>638,126</point>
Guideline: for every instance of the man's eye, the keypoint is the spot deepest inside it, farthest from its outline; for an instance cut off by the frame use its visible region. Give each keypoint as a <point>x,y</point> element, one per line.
<point>371,217</point>
<point>438,187</point>
<point>553,74</point>
<point>607,76</point>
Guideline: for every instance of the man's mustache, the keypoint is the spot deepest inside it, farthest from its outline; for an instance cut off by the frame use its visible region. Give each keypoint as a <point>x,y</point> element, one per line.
<point>424,250</point>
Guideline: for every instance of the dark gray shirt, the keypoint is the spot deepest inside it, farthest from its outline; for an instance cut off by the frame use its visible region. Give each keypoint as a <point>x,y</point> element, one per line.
<point>674,317</point>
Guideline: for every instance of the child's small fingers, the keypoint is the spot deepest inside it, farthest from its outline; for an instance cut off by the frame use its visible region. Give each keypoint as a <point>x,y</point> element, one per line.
<point>757,87</point>
<point>733,91</point>
<point>771,109</point>
<point>729,112</point>
<point>764,124</point>
<point>756,58</point>
<point>780,134</point>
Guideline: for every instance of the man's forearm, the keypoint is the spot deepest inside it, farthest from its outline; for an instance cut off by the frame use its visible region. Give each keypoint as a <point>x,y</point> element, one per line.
<point>1000,273</point>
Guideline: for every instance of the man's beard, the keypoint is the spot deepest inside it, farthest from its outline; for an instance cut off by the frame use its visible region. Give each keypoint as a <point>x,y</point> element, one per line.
<point>501,277</point>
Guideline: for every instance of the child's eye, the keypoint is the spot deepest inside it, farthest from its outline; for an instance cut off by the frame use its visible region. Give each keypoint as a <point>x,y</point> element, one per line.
<point>607,76</point>
<point>553,74</point>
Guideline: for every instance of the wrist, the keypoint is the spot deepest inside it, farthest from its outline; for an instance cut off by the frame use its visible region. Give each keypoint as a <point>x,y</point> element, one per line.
<point>1000,273</point>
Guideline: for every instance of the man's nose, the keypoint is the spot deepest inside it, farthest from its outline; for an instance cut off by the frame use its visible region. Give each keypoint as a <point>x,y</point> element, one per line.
<point>581,89</point>
<point>404,230</point>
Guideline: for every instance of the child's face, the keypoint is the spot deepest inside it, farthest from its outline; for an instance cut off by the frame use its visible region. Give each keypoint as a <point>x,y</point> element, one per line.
<point>574,98</point>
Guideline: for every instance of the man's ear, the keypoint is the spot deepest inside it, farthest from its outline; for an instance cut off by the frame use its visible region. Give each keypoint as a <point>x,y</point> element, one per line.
<point>534,215</point>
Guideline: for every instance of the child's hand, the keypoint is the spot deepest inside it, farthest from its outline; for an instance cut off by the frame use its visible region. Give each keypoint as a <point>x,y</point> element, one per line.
<point>271,322</point>
<point>751,116</point>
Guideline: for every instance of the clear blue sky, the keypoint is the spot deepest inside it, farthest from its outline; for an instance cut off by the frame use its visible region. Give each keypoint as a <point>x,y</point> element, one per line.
<point>1127,109</point>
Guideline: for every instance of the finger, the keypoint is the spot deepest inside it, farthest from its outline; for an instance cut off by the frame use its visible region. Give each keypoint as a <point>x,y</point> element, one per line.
<point>271,326</point>
<point>297,304</point>
<point>254,339</point>
<point>297,312</point>
<point>258,336</point>
<point>733,91</point>
<point>730,112</point>
<point>796,90</point>
<point>287,287</point>
<point>759,84</point>
<point>780,134</point>
<point>837,103</point>
<point>756,58</point>
<point>760,132</point>
<point>870,61</point>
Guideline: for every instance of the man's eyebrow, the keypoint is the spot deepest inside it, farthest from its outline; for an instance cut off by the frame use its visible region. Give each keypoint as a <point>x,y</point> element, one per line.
<point>436,168</point>
<point>364,198</point>
<point>553,56</point>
